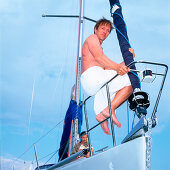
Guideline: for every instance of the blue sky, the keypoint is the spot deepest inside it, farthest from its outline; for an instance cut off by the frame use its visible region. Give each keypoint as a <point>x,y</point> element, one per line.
<point>40,53</point>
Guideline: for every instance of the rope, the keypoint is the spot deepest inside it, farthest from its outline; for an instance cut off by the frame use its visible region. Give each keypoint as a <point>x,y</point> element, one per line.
<point>120,31</point>
<point>123,21</point>
<point>137,77</point>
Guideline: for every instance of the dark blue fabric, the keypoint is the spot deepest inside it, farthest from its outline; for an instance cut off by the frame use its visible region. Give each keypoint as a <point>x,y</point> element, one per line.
<point>124,45</point>
<point>74,111</point>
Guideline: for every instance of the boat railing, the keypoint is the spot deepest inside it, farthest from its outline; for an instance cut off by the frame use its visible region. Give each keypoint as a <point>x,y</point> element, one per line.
<point>109,103</point>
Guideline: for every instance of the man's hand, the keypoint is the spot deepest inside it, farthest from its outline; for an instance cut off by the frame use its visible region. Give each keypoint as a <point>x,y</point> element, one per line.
<point>122,69</point>
<point>132,51</point>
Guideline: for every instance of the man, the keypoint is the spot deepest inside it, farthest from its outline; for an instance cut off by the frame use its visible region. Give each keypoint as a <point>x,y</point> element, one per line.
<point>97,69</point>
<point>82,144</point>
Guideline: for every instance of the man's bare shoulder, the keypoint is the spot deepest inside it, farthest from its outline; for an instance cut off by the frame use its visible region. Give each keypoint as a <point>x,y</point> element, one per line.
<point>92,40</point>
<point>92,37</point>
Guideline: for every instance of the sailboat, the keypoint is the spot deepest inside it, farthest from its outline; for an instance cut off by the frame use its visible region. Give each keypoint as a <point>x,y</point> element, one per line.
<point>137,144</point>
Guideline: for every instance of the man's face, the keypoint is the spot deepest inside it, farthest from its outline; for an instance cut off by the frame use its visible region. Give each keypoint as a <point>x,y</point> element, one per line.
<point>102,32</point>
<point>84,138</point>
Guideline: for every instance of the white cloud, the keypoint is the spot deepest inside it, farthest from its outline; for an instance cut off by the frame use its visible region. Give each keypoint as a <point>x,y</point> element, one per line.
<point>12,163</point>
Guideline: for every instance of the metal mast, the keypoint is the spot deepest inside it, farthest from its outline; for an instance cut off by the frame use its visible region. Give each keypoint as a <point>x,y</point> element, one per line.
<point>75,123</point>
<point>79,52</point>
<point>75,126</point>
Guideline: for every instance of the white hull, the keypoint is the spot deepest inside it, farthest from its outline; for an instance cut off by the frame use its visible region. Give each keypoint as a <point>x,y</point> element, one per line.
<point>127,156</point>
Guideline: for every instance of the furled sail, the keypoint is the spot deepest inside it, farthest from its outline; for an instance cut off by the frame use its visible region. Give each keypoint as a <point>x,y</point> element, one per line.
<point>74,111</point>
<point>119,23</point>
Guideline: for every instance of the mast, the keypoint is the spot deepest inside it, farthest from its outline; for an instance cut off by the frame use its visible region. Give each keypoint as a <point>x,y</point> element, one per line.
<point>79,52</point>
<point>75,126</point>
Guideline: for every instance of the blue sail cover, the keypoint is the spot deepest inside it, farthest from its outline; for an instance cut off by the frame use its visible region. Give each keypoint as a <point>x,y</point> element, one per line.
<point>74,111</point>
<point>123,40</point>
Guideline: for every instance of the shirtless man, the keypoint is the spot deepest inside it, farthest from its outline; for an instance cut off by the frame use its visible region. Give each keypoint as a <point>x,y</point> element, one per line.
<point>97,69</point>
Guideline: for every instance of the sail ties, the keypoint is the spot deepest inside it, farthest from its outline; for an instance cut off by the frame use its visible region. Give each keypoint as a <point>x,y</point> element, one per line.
<point>114,8</point>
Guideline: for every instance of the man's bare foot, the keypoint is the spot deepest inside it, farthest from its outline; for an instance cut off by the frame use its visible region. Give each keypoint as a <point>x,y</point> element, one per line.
<point>114,118</point>
<point>104,125</point>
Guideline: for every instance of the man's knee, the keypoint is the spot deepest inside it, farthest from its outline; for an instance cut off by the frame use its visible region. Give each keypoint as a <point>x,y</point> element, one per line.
<point>129,88</point>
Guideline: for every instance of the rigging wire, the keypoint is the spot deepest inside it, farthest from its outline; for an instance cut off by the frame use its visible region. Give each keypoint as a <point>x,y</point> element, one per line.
<point>30,114</point>
<point>133,119</point>
<point>55,152</point>
<point>38,140</point>
<point>51,157</point>
<point>46,155</point>
<point>128,115</point>
<point>29,148</point>
<point>42,137</point>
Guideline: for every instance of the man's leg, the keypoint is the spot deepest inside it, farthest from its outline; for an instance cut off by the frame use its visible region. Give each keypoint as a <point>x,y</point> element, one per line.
<point>104,125</point>
<point>120,97</point>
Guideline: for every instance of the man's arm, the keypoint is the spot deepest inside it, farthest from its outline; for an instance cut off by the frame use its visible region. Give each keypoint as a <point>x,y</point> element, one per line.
<point>97,52</point>
<point>75,149</point>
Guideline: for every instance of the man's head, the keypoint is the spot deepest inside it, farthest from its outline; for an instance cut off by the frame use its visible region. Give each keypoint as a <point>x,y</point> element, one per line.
<point>103,21</point>
<point>83,136</point>
<point>102,29</point>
